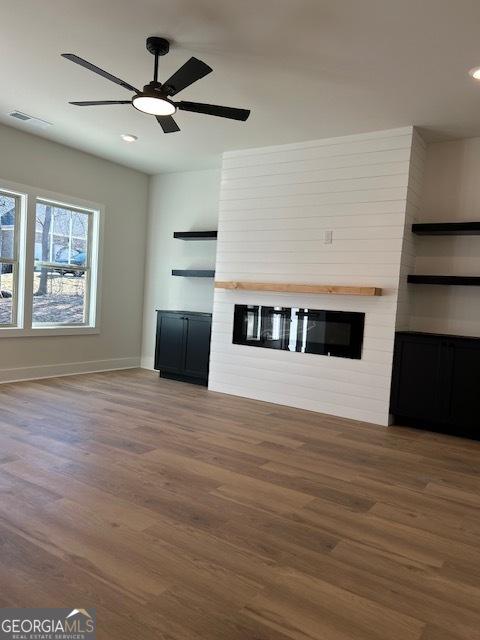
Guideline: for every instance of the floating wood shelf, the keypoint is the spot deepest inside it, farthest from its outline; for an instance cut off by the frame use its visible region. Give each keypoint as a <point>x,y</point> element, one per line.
<point>194,273</point>
<point>447,229</point>
<point>344,290</point>
<point>195,235</point>
<point>469,281</point>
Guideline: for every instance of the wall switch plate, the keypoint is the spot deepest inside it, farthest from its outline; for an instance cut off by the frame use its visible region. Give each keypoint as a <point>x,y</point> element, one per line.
<point>327,237</point>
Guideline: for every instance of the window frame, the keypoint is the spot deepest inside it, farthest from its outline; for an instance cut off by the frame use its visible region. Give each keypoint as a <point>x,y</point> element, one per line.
<point>26,262</point>
<point>15,259</point>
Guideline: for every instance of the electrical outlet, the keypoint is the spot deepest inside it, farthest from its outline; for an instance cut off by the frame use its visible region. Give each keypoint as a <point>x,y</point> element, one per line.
<point>327,237</point>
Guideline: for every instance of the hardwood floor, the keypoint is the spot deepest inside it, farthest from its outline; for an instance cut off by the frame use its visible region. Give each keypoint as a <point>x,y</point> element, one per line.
<point>182,514</point>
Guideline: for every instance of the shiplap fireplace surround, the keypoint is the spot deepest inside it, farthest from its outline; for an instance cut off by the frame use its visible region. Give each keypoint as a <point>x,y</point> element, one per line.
<point>275,205</point>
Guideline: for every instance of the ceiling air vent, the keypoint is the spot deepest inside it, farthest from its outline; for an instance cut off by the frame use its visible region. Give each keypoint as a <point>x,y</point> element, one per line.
<point>36,122</point>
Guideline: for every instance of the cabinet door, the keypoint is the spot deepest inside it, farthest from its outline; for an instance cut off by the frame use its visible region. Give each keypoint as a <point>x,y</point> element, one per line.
<point>170,348</point>
<point>418,378</point>
<point>197,346</point>
<point>464,357</point>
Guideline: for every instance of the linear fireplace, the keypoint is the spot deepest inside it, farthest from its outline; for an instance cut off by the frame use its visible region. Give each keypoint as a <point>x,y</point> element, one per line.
<point>330,333</point>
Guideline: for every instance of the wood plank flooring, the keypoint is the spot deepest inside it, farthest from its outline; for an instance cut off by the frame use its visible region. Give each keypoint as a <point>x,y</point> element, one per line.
<point>182,514</point>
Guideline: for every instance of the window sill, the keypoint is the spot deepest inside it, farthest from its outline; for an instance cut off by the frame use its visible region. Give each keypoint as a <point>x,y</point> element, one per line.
<point>15,332</point>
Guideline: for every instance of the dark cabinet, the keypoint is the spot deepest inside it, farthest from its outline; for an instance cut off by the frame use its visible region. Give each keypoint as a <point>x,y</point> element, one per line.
<point>183,345</point>
<point>463,400</point>
<point>197,346</point>
<point>170,337</point>
<point>417,375</point>
<point>435,382</point>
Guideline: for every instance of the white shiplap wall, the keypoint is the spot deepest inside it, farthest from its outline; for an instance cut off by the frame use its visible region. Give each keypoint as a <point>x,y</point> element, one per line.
<point>275,204</point>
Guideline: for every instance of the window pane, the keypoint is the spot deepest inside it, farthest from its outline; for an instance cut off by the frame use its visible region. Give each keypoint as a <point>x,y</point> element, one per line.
<point>6,294</point>
<point>61,235</point>
<point>59,292</point>
<point>8,211</point>
<point>80,234</point>
<point>59,296</point>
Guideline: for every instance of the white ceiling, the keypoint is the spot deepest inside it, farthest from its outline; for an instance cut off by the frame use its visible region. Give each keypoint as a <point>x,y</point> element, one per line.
<point>307,68</point>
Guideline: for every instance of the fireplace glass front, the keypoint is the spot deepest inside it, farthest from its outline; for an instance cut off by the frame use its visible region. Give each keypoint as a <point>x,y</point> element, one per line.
<point>329,333</point>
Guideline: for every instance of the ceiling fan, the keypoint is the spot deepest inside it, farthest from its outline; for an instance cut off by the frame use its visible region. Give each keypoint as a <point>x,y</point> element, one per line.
<point>155,99</point>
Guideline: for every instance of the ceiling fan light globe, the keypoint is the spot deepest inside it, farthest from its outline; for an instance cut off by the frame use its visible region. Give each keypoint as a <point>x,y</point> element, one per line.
<point>153,105</point>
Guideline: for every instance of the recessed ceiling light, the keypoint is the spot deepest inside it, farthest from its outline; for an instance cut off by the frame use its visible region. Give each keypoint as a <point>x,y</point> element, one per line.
<point>475,73</point>
<point>128,137</point>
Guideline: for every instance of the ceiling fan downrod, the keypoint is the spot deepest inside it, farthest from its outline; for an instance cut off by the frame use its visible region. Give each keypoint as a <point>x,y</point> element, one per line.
<point>157,47</point>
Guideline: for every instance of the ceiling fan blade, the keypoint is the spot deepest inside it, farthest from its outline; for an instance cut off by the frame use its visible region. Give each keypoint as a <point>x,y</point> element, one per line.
<point>168,124</point>
<point>193,70</point>
<point>214,110</point>
<point>93,103</point>
<point>97,70</point>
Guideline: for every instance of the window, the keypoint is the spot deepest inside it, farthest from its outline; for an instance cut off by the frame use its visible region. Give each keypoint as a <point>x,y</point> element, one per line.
<point>61,275</point>
<point>9,219</point>
<point>58,243</point>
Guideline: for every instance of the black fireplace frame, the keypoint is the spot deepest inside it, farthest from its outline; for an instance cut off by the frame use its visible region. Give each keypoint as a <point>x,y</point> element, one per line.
<point>352,350</point>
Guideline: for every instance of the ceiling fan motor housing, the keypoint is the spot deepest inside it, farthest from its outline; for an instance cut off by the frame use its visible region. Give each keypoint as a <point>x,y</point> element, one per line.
<point>155,89</point>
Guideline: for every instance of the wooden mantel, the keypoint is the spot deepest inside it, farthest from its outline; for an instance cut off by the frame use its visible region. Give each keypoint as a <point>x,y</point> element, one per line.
<point>342,290</point>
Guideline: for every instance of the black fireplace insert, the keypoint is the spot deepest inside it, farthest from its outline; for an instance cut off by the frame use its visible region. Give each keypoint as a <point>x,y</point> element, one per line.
<point>329,333</point>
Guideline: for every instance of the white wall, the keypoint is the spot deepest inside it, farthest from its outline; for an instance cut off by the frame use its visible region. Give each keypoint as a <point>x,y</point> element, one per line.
<point>409,248</point>
<point>184,201</point>
<point>275,204</point>
<point>31,160</point>
<point>451,194</point>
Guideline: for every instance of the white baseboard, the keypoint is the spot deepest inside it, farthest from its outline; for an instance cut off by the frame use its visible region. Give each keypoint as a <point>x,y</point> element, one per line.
<point>68,369</point>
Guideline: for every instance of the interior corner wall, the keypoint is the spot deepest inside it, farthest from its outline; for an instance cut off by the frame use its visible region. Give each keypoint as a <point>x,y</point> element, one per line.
<point>183,201</point>
<point>410,240</point>
<point>451,193</point>
<point>275,205</point>
<point>34,161</point>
